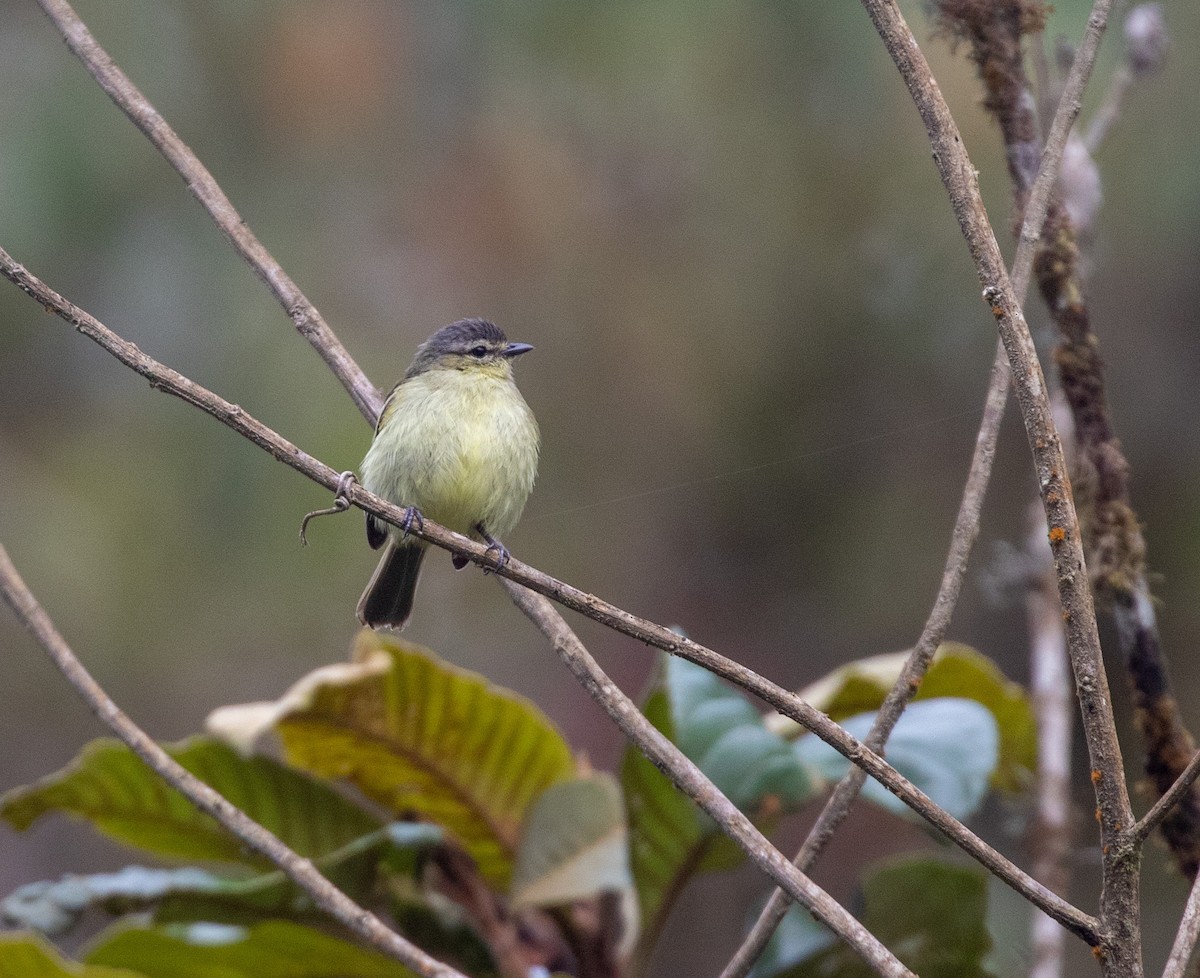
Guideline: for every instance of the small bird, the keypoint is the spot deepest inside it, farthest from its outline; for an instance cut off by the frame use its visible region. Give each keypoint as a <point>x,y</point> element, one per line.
<point>456,443</point>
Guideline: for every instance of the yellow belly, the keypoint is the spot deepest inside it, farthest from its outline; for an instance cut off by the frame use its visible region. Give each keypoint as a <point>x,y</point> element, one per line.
<point>461,446</point>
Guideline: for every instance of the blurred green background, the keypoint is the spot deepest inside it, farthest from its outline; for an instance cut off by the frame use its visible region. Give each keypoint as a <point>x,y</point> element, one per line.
<point>761,354</point>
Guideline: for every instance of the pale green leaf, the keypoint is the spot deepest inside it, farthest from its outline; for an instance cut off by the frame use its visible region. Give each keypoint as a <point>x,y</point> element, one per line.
<point>421,737</point>
<point>195,894</point>
<point>957,671</point>
<point>947,747</point>
<point>111,787</point>
<point>575,844</point>
<point>670,840</point>
<point>717,727</point>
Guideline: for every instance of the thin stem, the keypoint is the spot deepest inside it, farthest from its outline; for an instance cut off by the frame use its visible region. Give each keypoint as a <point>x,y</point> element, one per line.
<point>1050,684</point>
<point>689,779</point>
<point>1120,912</point>
<point>298,869</point>
<point>1109,111</point>
<point>1185,939</point>
<point>304,315</point>
<point>1162,808</point>
<point>170,381</point>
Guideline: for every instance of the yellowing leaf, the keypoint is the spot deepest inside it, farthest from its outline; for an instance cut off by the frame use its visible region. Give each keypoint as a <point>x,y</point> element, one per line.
<point>421,737</point>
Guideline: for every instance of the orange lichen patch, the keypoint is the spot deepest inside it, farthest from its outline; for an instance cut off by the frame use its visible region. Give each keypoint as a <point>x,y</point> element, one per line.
<point>1057,534</point>
<point>1097,777</point>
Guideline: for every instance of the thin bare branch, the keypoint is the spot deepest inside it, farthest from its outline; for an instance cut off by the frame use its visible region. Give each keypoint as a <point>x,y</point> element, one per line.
<point>1162,808</point>
<point>304,315</point>
<point>1120,912</point>
<point>689,779</point>
<point>1050,684</point>
<point>298,869</point>
<point>1187,936</point>
<point>170,381</point>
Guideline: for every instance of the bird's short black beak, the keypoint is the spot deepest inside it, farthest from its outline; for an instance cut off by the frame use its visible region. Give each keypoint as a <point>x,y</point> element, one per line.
<point>516,349</point>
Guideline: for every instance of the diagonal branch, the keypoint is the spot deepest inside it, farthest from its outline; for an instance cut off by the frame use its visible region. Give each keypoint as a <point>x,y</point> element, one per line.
<point>1121,948</point>
<point>298,869</point>
<point>1162,808</point>
<point>1187,936</point>
<point>689,779</point>
<point>170,381</point>
<point>304,315</point>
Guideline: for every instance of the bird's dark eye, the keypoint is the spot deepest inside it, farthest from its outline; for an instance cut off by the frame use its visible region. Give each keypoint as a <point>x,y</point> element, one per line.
<point>478,352</point>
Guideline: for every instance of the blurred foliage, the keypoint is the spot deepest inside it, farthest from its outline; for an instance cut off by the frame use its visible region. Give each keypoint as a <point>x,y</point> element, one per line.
<point>468,759</point>
<point>760,348</point>
<point>459,761</point>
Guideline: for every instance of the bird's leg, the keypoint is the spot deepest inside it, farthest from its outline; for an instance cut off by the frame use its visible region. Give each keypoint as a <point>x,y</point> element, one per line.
<point>502,553</point>
<point>341,503</point>
<point>411,515</point>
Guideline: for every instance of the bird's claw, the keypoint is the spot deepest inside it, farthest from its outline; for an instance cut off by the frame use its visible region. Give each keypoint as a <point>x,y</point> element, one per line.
<point>341,503</point>
<point>502,554</point>
<point>341,492</point>
<point>412,515</point>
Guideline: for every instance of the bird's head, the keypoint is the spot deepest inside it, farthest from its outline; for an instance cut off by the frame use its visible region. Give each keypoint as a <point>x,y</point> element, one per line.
<point>469,344</point>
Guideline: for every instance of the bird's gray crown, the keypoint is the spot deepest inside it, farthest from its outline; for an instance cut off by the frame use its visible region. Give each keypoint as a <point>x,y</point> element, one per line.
<point>460,337</point>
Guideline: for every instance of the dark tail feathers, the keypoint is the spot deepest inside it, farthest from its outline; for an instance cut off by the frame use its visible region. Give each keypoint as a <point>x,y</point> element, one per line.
<point>388,599</point>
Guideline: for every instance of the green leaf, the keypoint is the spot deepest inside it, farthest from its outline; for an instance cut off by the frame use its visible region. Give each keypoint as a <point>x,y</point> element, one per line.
<point>929,912</point>
<point>419,736</point>
<point>666,841</point>
<point>111,787</point>
<point>957,671</point>
<point>946,747</point>
<point>575,844</point>
<point>670,840</point>
<point>195,894</point>
<point>28,956</point>
<point>275,949</point>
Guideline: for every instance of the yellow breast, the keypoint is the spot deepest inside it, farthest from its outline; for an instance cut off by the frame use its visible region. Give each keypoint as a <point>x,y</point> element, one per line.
<point>460,445</point>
